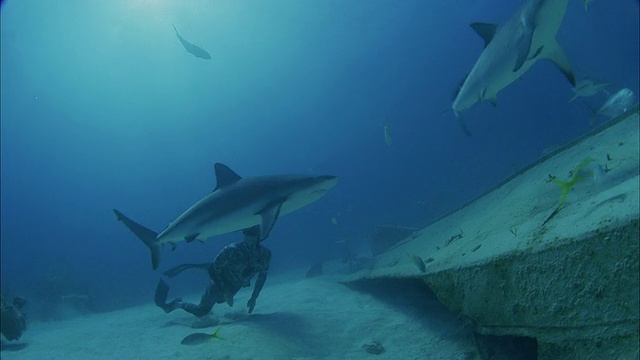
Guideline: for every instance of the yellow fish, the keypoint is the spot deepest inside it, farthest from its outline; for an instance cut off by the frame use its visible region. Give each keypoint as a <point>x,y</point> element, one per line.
<point>200,338</point>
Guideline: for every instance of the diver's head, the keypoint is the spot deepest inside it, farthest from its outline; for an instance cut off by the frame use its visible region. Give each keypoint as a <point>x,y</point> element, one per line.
<point>252,234</point>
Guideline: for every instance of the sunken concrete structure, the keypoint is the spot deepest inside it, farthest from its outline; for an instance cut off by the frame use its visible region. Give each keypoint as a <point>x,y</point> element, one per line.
<point>566,288</point>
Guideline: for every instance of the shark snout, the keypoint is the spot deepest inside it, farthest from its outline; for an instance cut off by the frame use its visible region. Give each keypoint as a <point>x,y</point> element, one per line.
<point>328,181</point>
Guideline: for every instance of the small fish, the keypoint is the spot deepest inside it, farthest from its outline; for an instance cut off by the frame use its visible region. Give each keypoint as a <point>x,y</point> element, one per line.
<point>194,49</point>
<point>588,87</point>
<point>586,4</point>
<point>342,240</point>
<point>387,134</point>
<point>334,221</point>
<point>200,338</point>
<point>417,260</point>
<point>617,104</point>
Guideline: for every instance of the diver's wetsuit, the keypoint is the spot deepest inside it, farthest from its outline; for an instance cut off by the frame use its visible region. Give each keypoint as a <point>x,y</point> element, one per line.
<point>230,271</point>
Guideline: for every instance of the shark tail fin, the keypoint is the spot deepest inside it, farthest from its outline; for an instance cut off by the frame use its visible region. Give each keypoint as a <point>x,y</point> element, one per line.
<point>147,236</point>
<point>555,54</point>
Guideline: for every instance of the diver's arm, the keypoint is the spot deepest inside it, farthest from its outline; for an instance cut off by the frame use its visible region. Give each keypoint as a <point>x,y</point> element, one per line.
<point>262,277</point>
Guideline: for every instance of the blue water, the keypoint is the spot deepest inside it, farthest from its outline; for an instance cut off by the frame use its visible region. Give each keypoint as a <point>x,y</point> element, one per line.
<point>103,108</point>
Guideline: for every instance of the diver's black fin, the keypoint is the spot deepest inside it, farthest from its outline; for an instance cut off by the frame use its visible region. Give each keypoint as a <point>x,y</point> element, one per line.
<point>162,290</point>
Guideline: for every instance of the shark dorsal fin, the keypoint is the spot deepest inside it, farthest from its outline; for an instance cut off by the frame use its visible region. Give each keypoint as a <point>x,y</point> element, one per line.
<point>554,53</point>
<point>224,176</point>
<point>485,30</point>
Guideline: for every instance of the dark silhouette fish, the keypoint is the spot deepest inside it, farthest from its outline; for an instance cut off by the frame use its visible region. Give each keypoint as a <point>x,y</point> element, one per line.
<point>200,338</point>
<point>194,49</point>
<point>418,262</point>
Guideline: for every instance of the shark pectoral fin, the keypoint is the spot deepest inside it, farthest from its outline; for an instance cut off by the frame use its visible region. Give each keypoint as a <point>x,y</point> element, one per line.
<point>485,30</point>
<point>189,238</point>
<point>147,236</point>
<point>269,216</point>
<point>493,100</point>
<point>554,53</point>
<point>538,52</point>
<point>523,48</point>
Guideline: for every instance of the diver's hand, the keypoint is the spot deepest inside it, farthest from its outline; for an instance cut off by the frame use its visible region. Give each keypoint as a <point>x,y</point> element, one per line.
<point>251,304</point>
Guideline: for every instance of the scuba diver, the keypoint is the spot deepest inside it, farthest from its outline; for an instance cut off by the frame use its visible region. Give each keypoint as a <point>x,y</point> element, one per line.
<point>230,271</point>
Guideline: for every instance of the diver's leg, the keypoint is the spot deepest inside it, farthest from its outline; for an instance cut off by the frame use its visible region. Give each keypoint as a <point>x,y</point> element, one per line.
<point>210,297</point>
<point>180,268</point>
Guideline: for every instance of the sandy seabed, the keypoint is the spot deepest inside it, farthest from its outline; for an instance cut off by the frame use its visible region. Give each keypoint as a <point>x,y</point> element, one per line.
<point>295,318</point>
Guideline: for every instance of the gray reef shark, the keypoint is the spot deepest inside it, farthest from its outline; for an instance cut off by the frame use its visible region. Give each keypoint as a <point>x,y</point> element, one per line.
<point>194,49</point>
<point>235,204</point>
<point>510,50</point>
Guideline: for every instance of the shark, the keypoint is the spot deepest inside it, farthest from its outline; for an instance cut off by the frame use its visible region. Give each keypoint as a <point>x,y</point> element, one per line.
<point>511,49</point>
<point>194,49</point>
<point>586,87</point>
<point>236,203</point>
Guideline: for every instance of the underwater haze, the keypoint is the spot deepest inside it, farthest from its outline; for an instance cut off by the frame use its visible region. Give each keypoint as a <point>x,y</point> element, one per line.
<point>103,108</point>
